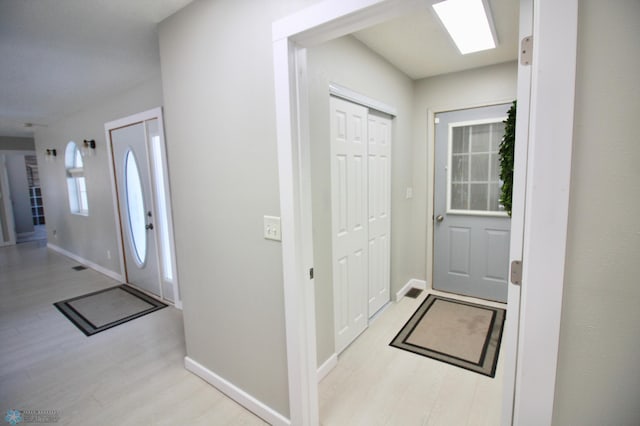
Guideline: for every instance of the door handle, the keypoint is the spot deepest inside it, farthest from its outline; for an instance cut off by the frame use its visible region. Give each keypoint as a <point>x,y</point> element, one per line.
<point>149,227</point>
<point>439,218</point>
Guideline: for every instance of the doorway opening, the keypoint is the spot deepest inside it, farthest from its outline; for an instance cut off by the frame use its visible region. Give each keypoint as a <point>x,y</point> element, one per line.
<point>142,200</point>
<point>7,223</point>
<point>383,83</point>
<point>292,35</point>
<point>22,216</point>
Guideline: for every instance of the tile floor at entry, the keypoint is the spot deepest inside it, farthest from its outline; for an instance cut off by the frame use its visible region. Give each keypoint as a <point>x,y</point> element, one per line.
<point>119,377</point>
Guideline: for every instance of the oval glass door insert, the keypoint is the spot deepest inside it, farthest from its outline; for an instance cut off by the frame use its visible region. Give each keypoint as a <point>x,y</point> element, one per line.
<point>135,207</point>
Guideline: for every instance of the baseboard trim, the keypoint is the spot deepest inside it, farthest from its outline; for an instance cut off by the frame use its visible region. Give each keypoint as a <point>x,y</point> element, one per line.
<point>111,274</point>
<point>327,366</point>
<point>249,402</point>
<point>412,283</point>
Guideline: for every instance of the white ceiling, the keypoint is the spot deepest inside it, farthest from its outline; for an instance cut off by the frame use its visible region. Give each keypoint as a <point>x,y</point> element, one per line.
<point>59,56</point>
<point>419,46</point>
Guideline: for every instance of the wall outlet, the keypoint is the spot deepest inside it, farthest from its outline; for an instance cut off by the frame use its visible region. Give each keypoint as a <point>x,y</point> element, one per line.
<point>109,254</point>
<point>55,234</point>
<point>272,228</point>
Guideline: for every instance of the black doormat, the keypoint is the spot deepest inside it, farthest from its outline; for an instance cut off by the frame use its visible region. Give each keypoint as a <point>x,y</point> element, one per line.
<point>104,309</point>
<point>460,333</point>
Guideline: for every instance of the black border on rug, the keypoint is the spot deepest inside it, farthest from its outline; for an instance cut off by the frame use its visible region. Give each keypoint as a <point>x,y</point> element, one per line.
<point>495,332</point>
<point>89,329</point>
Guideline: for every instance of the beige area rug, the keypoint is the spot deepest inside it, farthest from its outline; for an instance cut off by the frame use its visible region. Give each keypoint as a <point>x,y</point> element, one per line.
<point>101,310</point>
<point>460,333</point>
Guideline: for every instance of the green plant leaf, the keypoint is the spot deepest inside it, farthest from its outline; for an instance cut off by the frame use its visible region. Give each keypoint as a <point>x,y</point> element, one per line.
<point>506,153</point>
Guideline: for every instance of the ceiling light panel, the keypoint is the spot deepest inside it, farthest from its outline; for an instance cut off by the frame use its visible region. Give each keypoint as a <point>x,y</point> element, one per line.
<point>468,24</point>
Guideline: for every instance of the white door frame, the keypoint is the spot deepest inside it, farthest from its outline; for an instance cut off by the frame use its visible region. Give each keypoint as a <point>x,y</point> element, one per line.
<point>510,337</point>
<point>155,113</point>
<point>546,207</point>
<point>544,216</point>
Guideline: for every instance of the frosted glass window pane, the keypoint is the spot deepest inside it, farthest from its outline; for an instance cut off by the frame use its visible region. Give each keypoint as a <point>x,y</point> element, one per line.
<point>135,208</point>
<point>497,133</point>
<point>460,143</point>
<point>158,171</point>
<point>474,175</point>
<point>73,195</point>
<point>82,194</point>
<point>70,155</point>
<point>495,168</point>
<point>480,138</point>
<point>76,184</point>
<point>459,196</point>
<point>480,167</point>
<point>478,196</point>
<point>494,197</point>
<point>78,158</point>
<point>460,168</point>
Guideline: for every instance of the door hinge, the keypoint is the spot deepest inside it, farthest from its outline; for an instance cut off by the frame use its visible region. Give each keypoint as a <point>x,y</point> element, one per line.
<point>516,272</point>
<point>526,50</point>
<point>311,273</point>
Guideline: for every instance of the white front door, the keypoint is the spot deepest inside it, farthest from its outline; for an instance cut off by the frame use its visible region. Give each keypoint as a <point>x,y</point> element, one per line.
<point>471,230</point>
<point>137,215</point>
<point>379,184</point>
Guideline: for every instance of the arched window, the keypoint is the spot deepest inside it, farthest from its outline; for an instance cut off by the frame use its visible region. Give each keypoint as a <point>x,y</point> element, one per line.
<point>76,184</point>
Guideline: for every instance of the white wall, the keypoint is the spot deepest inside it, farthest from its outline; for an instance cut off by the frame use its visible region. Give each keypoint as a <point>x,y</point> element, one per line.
<point>89,237</point>
<point>449,91</point>
<point>218,84</point>
<point>598,376</point>
<point>348,62</point>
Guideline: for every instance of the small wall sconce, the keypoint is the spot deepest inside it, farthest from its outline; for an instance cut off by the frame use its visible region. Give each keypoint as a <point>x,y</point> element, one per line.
<point>51,154</point>
<point>89,147</point>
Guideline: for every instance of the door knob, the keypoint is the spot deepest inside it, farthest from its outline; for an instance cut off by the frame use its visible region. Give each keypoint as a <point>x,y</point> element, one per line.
<point>439,218</point>
<point>149,227</point>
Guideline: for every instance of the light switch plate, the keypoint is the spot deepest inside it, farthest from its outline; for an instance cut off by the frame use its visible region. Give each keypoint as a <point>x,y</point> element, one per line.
<point>272,228</point>
<point>409,193</point>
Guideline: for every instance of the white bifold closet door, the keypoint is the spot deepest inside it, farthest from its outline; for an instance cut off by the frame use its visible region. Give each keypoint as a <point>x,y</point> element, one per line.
<point>360,198</point>
<point>379,185</point>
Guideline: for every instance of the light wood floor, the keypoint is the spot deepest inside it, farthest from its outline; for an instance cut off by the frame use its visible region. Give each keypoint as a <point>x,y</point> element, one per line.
<point>134,374</point>
<point>376,384</point>
<point>129,375</point>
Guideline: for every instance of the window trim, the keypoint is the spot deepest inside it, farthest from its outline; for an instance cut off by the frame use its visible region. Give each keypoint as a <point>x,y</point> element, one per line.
<point>75,175</point>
